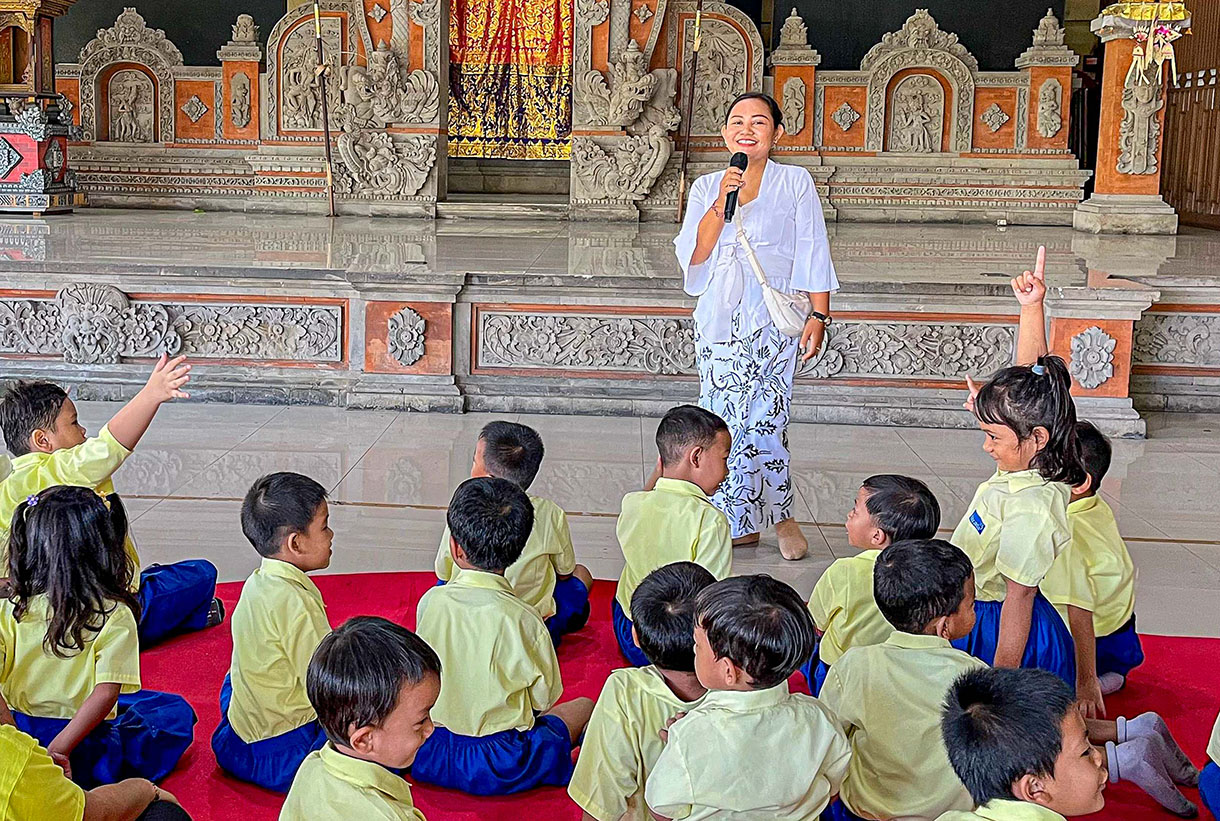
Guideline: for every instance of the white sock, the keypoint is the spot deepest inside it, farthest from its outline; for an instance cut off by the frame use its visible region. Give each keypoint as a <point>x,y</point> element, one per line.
<point>1142,762</point>
<point>1177,763</point>
<point>1111,683</point>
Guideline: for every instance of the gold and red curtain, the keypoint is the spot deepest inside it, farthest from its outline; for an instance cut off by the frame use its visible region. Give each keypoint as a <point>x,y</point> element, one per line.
<point>510,79</point>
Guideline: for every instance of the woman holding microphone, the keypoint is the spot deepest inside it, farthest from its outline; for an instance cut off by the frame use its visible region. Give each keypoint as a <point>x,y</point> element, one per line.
<point>746,364</point>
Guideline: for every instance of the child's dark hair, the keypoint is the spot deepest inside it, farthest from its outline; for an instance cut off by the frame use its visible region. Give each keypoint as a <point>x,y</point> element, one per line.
<point>491,520</point>
<point>512,451</point>
<point>663,612</point>
<point>356,674</point>
<point>758,623</point>
<point>1095,452</point>
<point>918,581</point>
<point>777,113</point>
<point>67,543</point>
<point>278,505</point>
<point>687,426</point>
<point>28,406</point>
<point>904,508</point>
<point>1025,397</point>
<point>1001,724</point>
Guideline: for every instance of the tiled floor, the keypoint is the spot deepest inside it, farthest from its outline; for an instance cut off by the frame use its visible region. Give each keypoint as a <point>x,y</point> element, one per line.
<point>391,474</point>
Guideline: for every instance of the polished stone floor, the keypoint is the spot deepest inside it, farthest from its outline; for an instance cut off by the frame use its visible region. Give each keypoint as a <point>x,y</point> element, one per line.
<point>390,476</point>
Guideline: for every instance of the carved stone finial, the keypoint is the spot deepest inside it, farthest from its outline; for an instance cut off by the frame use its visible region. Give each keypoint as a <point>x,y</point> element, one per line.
<point>244,30</point>
<point>794,32</point>
<point>920,33</point>
<point>1049,32</point>
<point>129,30</point>
<point>1048,48</point>
<point>244,45</point>
<point>794,48</point>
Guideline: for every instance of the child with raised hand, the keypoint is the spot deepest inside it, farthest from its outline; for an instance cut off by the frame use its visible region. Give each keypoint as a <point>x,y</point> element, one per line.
<point>750,749</point>
<point>50,448</point>
<point>547,575</point>
<point>673,519</point>
<point>69,652</point>
<point>373,685</point>
<point>623,739</point>
<point>267,723</point>
<point>499,727</point>
<point>888,509</point>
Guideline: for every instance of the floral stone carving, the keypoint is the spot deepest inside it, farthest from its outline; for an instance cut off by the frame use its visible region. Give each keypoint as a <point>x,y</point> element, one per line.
<point>1092,357</point>
<point>994,118</point>
<point>194,108</point>
<point>845,116</point>
<point>1178,339</point>
<point>406,336</point>
<point>920,33</point>
<point>619,168</point>
<point>907,349</point>
<point>98,324</point>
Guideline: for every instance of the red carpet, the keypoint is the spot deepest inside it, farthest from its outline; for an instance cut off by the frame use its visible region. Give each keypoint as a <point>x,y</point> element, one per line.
<point>1180,679</point>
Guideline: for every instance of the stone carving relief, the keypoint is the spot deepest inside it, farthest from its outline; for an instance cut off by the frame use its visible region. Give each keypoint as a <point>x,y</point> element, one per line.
<point>1192,340</point>
<point>619,168</point>
<point>794,105</point>
<point>376,95</point>
<point>642,13</point>
<point>374,164</point>
<point>634,98</point>
<point>721,76</point>
<point>10,157</point>
<point>1140,129</point>
<point>845,116</point>
<point>1049,32</point>
<point>1050,108</point>
<point>1048,47</point>
<point>99,325</point>
<point>239,101</point>
<point>194,108</point>
<point>589,14</point>
<point>1092,357</point>
<point>132,99</point>
<point>908,349</point>
<point>300,90</point>
<point>920,33</point>
<point>917,117</point>
<point>244,43</point>
<point>426,14</point>
<point>244,30</point>
<point>406,336</point>
<point>794,48</point>
<point>994,118</point>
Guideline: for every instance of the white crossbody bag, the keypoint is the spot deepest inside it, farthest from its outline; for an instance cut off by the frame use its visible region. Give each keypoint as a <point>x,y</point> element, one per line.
<point>789,312</point>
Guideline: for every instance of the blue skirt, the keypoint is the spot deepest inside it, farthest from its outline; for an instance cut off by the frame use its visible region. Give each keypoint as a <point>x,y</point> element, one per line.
<point>815,671</point>
<point>571,608</point>
<point>622,633</point>
<point>837,811</point>
<point>499,764</point>
<point>271,763</point>
<point>175,598</point>
<point>1049,646</point>
<point>1209,787</point>
<point>146,739</point>
<point>1120,652</point>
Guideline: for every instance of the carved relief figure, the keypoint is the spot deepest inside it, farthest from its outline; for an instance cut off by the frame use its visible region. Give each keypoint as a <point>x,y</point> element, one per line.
<point>299,86</point>
<point>373,165</point>
<point>1140,129</point>
<point>239,101</point>
<point>722,73</point>
<point>794,105</point>
<point>1050,114</point>
<point>131,107</point>
<point>915,124</point>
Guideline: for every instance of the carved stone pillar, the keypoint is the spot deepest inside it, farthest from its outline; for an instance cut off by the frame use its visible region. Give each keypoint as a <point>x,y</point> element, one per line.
<point>1047,70</point>
<point>1127,191</point>
<point>239,59</point>
<point>795,63</point>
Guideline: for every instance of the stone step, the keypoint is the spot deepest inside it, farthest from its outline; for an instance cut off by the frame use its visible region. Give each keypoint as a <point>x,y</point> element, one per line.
<point>504,207</point>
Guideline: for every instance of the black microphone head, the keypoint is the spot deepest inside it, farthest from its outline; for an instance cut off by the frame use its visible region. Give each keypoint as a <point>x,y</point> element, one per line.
<point>739,160</point>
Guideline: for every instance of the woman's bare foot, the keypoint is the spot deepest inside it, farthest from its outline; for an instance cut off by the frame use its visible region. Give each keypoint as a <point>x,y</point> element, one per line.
<point>792,543</point>
<point>747,540</point>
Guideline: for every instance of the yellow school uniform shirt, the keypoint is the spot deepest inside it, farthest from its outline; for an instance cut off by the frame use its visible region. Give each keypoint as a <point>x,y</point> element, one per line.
<point>32,786</point>
<point>548,553</point>
<point>89,464</point>
<point>499,662</point>
<point>674,522</point>
<point>38,683</point>
<point>888,700</point>
<point>330,785</point>
<point>843,607</point>
<point>1015,527</point>
<point>623,742</point>
<point>1096,572</point>
<point>1005,810</point>
<point>279,621</point>
<point>762,754</point>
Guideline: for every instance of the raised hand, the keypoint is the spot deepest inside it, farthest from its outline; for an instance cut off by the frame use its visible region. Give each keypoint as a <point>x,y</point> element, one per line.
<point>1030,287</point>
<point>973,389</point>
<point>168,376</point>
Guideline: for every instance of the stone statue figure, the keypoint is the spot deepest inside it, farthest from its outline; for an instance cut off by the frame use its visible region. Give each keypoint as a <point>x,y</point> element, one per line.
<point>357,93</point>
<point>239,101</point>
<point>300,102</point>
<point>915,125</point>
<point>1140,129</point>
<point>1050,114</point>
<point>127,103</point>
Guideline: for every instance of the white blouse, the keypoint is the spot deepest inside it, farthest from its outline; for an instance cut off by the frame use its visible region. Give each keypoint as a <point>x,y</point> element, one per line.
<point>788,232</point>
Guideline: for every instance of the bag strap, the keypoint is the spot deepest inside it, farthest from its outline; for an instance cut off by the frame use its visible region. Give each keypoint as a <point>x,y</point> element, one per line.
<point>755,265</point>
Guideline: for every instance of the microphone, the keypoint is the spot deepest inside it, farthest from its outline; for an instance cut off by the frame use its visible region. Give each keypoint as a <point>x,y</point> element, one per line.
<point>738,160</point>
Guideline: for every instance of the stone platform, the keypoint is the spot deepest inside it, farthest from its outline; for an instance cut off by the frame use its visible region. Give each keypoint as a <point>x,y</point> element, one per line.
<point>520,316</point>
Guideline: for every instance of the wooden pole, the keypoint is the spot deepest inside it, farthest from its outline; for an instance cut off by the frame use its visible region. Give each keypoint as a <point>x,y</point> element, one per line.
<point>690,105</point>
<point>320,77</point>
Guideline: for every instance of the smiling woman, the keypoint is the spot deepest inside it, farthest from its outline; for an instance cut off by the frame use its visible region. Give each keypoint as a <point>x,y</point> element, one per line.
<point>746,364</point>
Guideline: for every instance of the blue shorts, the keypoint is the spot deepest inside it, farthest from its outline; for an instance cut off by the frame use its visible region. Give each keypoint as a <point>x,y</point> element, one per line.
<point>1049,646</point>
<point>571,608</point>
<point>175,598</point>
<point>499,764</point>
<point>1209,787</point>
<point>271,763</point>
<point>837,811</point>
<point>1120,652</point>
<point>815,671</point>
<point>146,739</point>
<point>622,632</point>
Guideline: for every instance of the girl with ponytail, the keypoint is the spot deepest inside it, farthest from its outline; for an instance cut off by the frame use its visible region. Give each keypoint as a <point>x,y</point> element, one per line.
<point>69,651</point>
<point>1017,523</point>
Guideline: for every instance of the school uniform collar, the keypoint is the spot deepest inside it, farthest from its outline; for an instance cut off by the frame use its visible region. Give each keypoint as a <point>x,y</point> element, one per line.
<point>651,681</point>
<point>1086,504</point>
<point>277,569</point>
<point>481,579</point>
<point>365,774</point>
<point>911,641</point>
<point>1019,479</point>
<point>1011,810</point>
<point>680,487</point>
<point>37,457</point>
<point>744,701</point>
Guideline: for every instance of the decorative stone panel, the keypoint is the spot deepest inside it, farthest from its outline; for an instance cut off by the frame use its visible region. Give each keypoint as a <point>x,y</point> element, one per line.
<point>1092,361</point>
<point>1178,340</point>
<point>919,350</point>
<point>415,338</point>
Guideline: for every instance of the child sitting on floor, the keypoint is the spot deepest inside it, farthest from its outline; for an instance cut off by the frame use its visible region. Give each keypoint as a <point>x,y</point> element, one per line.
<point>888,696</point>
<point>69,651</point>
<point>372,684</point>
<point>623,741</point>
<point>267,724</point>
<point>499,729</point>
<point>1093,584</point>
<point>1209,779</point>
<point>888,509</point>
<point>50,448</point>
<point>751,748</point>
<point>547,575</point>
<point>675,521</point>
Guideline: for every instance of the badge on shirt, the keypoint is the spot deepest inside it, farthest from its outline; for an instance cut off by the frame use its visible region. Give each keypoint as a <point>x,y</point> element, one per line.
<point>977,521</point>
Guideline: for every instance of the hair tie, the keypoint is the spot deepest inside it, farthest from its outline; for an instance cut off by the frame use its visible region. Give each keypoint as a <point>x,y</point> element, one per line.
<point>1038,370</point>
<point>31,500</point>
